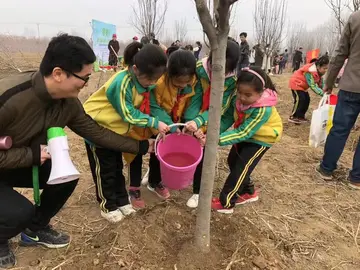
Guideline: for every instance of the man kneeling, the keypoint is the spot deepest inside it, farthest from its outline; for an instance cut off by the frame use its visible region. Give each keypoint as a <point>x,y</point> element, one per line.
<point>31,103</point>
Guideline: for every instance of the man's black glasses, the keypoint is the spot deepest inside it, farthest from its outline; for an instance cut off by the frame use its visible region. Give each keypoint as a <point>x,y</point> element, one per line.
<point>86,79</point>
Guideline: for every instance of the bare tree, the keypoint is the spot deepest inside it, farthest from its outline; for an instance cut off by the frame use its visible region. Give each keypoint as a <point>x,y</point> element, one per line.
<point>217,30</point>
<point>295,33</point>
<point>341,10</point>
<point>270,21</point>
<point>337,7</point>
<point>353,5</point>
<point>149,16</point>
<point>180,29</point>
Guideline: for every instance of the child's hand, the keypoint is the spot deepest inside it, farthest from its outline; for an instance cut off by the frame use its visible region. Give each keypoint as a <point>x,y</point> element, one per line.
<point>163,128</point>
<point>201,137</point>
<point>191,126</point>
<point>199,134</point>
<point>202,140</point>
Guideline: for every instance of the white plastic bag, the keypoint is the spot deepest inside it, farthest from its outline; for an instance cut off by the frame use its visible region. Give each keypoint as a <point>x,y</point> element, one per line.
<point>321,122</point>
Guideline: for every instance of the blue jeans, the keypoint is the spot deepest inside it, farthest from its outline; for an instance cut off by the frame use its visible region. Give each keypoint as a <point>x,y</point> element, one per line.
<point>346,113</point>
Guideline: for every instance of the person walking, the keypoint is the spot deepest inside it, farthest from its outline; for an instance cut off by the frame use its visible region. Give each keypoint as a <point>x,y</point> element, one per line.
<point>348,104</point>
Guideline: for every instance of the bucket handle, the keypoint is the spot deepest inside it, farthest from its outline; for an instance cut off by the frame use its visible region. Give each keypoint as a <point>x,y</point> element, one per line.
<point>158,136</point>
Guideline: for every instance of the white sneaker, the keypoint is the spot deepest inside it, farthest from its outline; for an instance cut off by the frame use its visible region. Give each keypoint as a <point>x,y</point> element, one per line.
<point>193,201</point>
<point>127,210</point>
<point>113,216</point>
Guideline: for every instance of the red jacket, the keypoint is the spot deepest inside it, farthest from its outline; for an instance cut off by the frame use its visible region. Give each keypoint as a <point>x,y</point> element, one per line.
<point>298,80</point>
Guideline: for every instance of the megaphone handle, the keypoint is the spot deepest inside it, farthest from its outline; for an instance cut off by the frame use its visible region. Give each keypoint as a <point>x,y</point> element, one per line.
<point>36,188</point>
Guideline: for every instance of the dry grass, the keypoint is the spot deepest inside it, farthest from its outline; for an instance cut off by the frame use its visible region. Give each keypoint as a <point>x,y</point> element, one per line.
<point>300,221</point>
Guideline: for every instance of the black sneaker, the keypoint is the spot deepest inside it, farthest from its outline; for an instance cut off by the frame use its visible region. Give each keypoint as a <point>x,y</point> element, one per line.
<point>7,257</point>
<point>46,237</point>
<point>324,174</point>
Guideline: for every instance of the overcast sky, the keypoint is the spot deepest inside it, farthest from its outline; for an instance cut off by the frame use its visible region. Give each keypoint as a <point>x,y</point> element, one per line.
<point>21,17</point>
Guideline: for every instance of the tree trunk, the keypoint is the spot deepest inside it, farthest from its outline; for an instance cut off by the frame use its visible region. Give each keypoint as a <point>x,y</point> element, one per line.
<point>202,233</point>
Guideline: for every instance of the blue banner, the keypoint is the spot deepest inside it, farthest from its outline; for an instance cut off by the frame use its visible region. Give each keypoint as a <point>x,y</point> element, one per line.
<point>101,35</point>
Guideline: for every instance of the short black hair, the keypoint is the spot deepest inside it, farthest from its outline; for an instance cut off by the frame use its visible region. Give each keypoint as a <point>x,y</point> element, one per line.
<point>181,63</point>
<point>189,47</point>
<point>145,40</point>
<point>70,53</point>
<point>149,58</point>
<point>286,50</point>
<point>244,34</point>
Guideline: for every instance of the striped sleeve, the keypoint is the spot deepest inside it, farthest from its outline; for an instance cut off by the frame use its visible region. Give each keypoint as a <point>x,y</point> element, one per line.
<point>313,85</point>
<point>120,95</point>
<point>258,116</point>
<point>160,112</point>
<point>227,119</point>
<point>194,103</point>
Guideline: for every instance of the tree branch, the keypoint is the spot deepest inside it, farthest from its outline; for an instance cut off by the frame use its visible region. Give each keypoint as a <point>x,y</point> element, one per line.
<point>224,15</point>
<point>206,21</point>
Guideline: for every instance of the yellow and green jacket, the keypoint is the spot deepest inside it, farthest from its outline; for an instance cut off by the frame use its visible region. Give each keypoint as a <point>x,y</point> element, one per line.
<point>261,125</point>
<point>168,103</point>
<point>203,74</point>
<point>116,104</point>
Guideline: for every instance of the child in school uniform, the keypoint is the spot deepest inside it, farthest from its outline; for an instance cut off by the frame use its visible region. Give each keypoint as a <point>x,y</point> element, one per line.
<point>121,104</point>
<point>169,102</point>
<point>201,100</point>
<point>309,76</point>
<point>257,126</point>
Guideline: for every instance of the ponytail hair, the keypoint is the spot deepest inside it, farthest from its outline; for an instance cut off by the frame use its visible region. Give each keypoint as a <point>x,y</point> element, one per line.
<point>322,61</point>
<point>130,51</point>
<point>149,59</point>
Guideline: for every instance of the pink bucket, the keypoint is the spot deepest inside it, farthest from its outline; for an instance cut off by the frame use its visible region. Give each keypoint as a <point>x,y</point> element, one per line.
<point>179,155</point>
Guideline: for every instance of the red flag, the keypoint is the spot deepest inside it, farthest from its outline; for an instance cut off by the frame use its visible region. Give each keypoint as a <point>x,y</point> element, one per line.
<point>312,54</point>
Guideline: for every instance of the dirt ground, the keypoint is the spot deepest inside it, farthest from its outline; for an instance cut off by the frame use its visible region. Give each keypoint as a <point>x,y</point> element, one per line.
<point>300,222</point>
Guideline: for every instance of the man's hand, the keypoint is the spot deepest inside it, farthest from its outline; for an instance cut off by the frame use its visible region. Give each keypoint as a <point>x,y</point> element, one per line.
<point>327,90</point>
<point>163,128</point>
<point>191,126</point>
<point>44,155</point>
<point>151,148</point>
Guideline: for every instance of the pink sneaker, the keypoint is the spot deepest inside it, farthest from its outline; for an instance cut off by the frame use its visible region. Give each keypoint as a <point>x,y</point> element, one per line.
<point>247,198</point>
<point>160,190</point>
<point>135,199</point>
<point>216,205</point>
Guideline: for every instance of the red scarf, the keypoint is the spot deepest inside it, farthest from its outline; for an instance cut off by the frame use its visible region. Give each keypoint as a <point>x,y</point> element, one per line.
<point>175,109</point>
<point>240,120</point>
<point>206,96</point>
<point>145,104</point>
<point>206,99</point>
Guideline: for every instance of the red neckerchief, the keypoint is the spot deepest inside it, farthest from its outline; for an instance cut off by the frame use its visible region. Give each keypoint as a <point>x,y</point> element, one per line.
<point>240,120</point>
<point>175,109</point>
<point>145,104</point>
<point>206,96</point>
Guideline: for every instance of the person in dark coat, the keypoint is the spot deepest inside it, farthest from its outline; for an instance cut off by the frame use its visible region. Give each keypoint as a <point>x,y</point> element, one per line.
<point>197,50</point>
<point>244,51</point>
<point>297,59</point>
<point>259,55</point>
<point>114,48</point>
